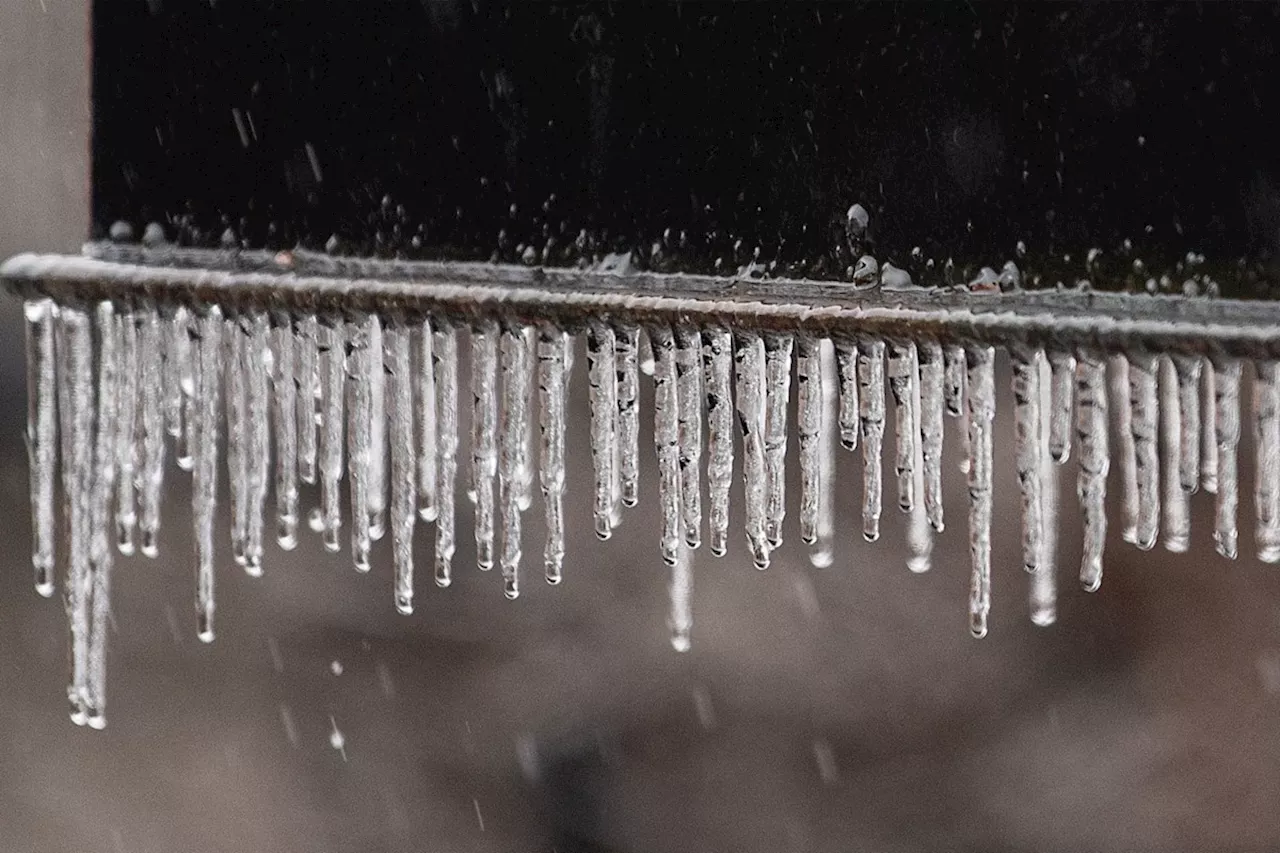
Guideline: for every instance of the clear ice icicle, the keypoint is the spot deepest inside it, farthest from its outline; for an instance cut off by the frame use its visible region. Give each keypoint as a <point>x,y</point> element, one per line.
<point>1187,368</point>
<point>1121,394</point>
<point>777,361</point>
<point>1062,378</point>
<point>1144,423</point>
<point>1226,407</point>
<point>285,420</point>
<point>42,437</point>
<point>517,373</point>
<point>1176,504</point>
<point>444,360</point>
<point>822,551</point>
<point>333,360</point>
<point>904,380</point>
<point>376,518</point>
<point>1095,462</point>
<point>75,405</point>
<point>306,356</point>
<point>204,484</point>
<point>932,377</point>
<point>982,410</point>
<point>425,395</point>
<point>1266,424</point>
<point>180,389</point>
<point>680,597</point>
<point>553,349</point>
<point>1028,426</point>
<point>809,398</point>
<point>603,400</point>
<point>1042,594</point>
<point>107,424</point>
<point>627,344</point>
<point>237,460</point>
<point>126,431</point>
<point>689,394</point>
<point>404,474</point>
<point>919,534</point>
<point>666,440</point>
<point>484,434</point>
<point>748,359</point>
<point>360,369</point>
<point>871,417</point>
<point>953,383</point>
<point>846,353</point>
<point>1209,428</point>
<point>526,474</point>
<point>151,381</point>
<point>258,361</point>
<point>717,358</point>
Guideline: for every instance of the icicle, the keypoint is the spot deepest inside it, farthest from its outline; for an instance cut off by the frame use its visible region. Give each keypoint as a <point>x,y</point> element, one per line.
<point>237,429</point>
<point>645,354</point>
<point>919,534</point>
<point>444,360</point>
<point>749,375</point>
<point>553,349</point>
<point>904,380</point>
<point>717,358</point>
<point>376,520</point>
<point>603,399</point>
<point>680,595</point>
<point>822,551</point>
<point>932,376</point>
<point>689,393</point>
<point>516,376</point>
<point>204,485</point>
<point>526,473</point>
<point>1266,424</point>
<point>982,410</point>
<point>666,439</point>
<point>1177,509</point>
<point>1226,406</point>
<point>777,360</point>
<point>1062,370</point>
<point>809,395</point>
<point>107,327</point>
<point>286,429</point>
<point>1187,368</point>
<point>871,416</point>
<point>152,384</point>
<point>257,355</point>
<point>426,400</point>
<point>1042,595</point>
<point>1095,462</point>
<point>953,383</point>
<point>1028,426</point>
<point>75,405</point>
<point>179,384</point>
<point>360,371</point>
<point>627,344</point>
<point>846,353</point>
<point>306,346</point>
<point>1120,392</point>
<point>1145,426</point>
<point>42,437</point>
<point>126,431</point>
<point>400,387</point>
<point>1209,429</point>
<point>333,359</point>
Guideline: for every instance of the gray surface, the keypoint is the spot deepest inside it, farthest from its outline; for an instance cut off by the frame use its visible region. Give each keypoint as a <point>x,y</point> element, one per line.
<point>1147,719</point>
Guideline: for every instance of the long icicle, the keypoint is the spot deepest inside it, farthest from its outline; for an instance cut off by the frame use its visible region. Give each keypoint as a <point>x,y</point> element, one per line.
<point>1209,428</point>
<point>75,405</point>
<point>553,348</point>
<point>689,393</point>
<point>360,370</point>
<point>919,533</point>
<point>1095,462</point>
<point>258,358</point>
<point>932,374</point>
<point>1028,425</point>
<point>748,359</point>
<point>904,380</point>
<point>444,361</point>
<point>180,367</point>
<point>1266,424</point>
<point>126,445</point>
<point>152,381</point>
<point>285,421</point>
<point>1062,378</point>
<point>237,463</point>
<point>1144,401</point>
<point>425,396</point>
<point>307,382</point>
<point>404,474</point>
<point>822,552</point>
<point>846,353</point>
<point>717,359</point>
<point>484,434</point>
<point>204,488</point>
<point>104,481</point>
<point>809,398</point>
<point>1042,593</point>
<point>1121,396</point>
<point>871,418</point>
<point>777,361</point>
<point>626,347</point>
<point>334,366</point>
<point>603,398</point>
<point>1187,368</point>
<point>1226,406</point>
<point>1176,500</point>
<point>376,518</point>
<point>527,471</point>
<point>982,410</point>
<point>42,437</point>
<point>954,379</point>
<point>516,376</point>
<point>666,439</point>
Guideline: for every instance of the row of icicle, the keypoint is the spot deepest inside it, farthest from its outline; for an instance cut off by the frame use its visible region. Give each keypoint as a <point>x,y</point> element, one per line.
<point>116,386</point>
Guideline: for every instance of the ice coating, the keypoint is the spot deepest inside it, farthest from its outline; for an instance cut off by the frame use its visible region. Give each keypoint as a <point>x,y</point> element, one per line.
<point>1062,378</point>
<point>1028,425</point>
<point>1175,502</point>
<point>1144,425</point>
<point>904,379</point>
<point>717,359</point>
<point>1095,462</point>
<point>553,356</point>
<point>1266,425</point>
<point>932,377</point>
<point>627,346</point>
<point>42,437</point>
<point>401,378</point>
<point>1226,408</point>
<point>871,419</point>
<point>666,440</point>
<point>517,374</point>
<point>748,360</point>
<point>777,359</point>
<point>689,399</point>
<point>982,410</point>
<point>484,434</point>
<point>603,399</point>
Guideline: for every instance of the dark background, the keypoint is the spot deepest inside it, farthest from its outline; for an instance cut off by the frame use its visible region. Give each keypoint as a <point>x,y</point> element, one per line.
<point>1147,719</point>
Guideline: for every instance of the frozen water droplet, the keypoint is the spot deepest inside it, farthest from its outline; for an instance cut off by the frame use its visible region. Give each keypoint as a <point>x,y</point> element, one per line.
<point>867,273</point>
<point>892,278</point>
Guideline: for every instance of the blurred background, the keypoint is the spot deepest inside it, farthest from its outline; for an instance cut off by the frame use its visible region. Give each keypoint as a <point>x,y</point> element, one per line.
<point>836,709</point>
